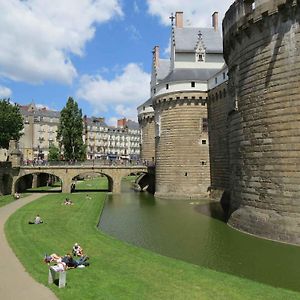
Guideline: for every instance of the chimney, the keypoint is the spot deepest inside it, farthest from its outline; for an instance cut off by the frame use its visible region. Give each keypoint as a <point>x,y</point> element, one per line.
<point>122,122</point>
<point>156,56</point>
<point>215,20</point>
<point>179,19</point>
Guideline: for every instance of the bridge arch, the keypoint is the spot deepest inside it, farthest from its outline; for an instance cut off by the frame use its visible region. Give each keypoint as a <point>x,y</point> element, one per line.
<point>32,179</point>
<point>91,175</point>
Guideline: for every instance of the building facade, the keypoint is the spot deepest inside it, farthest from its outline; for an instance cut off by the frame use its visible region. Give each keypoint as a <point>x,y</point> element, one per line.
<point>40,130</point>
<point>103,140</point>
<point>40,127</point>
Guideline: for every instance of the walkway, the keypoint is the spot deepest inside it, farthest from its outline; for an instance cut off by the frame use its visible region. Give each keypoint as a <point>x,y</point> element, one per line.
<point>15,282</point>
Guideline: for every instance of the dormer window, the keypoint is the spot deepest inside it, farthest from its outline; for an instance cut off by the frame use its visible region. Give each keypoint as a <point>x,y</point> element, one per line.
<point>200,49</point>
<point>201,57</point>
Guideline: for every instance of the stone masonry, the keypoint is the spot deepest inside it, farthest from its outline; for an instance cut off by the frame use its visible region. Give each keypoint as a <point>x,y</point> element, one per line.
<point>262,51</point>
<point>182,154</point>
<point>218,109</point>
<point>147,127</point>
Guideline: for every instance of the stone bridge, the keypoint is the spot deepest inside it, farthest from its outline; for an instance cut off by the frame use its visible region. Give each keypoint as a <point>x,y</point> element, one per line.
<point>67,173</point>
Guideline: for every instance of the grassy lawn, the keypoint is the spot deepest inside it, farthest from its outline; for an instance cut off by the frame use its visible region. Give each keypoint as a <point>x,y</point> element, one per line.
<point>117,270</point>
<point>9,198</point>
<point>92,184</point>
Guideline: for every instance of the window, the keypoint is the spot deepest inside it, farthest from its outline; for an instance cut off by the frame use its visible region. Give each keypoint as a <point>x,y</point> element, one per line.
<point>203,142</point>
<point>193,84</point>
<point>167,86</point>
<point>154,90</point>
<point>204,125</point>
<point>224,75</point>
<point>200,57</point>
<point>216,80</point>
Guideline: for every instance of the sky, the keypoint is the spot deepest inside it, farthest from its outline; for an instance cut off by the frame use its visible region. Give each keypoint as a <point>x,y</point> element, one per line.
<point>97,51</point>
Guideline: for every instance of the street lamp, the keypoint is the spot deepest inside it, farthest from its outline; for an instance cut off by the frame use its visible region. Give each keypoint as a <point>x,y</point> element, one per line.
<point>73,153</point>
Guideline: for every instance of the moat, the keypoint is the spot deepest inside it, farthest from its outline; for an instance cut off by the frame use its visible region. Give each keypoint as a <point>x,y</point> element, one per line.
<point>183,230</point>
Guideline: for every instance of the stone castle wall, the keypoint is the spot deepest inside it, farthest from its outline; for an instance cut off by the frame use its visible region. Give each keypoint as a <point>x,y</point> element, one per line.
<point>218,109</point>
<point>147,127</point>
<point>262,51</point>
<point>182,154</point>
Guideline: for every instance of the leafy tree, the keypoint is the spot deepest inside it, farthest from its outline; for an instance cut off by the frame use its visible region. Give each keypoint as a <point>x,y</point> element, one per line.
<point>70,131</point>
<point>54,153</point>
<point>11,123</point>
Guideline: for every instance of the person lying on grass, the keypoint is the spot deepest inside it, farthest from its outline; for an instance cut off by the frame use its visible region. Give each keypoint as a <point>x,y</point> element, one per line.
<point>68,260</point>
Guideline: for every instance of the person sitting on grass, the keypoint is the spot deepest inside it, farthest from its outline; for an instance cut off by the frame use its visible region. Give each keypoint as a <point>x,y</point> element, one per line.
<point>77,250</point>
<point>68,201</point>
<point>17,195</point>
<point>37,220</point>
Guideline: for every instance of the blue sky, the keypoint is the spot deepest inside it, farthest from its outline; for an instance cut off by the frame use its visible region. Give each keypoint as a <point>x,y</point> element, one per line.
<point>96,51</point>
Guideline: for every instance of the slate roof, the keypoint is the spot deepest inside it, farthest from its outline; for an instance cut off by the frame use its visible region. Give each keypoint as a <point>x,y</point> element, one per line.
<point>186,39</point>
<point>163,69</point>
<point>133,125</point>
<point>190,74</point>
<point>146,104</point>
<point>41,113</point>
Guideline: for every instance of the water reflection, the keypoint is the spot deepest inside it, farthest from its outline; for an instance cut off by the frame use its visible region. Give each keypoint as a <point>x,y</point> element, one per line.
<point>195,232</point>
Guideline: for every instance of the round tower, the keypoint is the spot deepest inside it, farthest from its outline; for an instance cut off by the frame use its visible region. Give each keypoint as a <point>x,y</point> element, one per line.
<point>147,127</point>
<point>261,48</point>
<point>182,160</point>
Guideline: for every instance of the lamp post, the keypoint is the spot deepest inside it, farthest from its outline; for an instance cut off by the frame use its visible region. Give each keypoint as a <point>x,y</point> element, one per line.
<point>73,153</point>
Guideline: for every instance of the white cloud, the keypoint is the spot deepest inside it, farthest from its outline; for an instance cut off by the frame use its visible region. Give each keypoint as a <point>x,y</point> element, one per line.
<point>112,121</point>
<point>38,37</point>
<point>136,8</point>
<point>5,92</point>
<point>196,13</point>
<point>134,33</point>
<point>120,96</point>
<point>42,106</point>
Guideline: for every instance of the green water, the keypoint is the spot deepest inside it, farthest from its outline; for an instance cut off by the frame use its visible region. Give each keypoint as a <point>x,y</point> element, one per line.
<point>184,230</point>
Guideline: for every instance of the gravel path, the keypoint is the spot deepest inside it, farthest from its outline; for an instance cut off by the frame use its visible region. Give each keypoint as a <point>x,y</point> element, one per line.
<point>15,282</point>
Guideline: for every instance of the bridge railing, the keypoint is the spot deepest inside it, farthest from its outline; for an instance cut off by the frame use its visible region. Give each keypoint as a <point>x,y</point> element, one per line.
<point>87,163</point>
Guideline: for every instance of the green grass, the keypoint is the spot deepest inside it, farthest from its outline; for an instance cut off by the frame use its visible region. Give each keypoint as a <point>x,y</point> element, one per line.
<point>92,184</point>
<point>117,270</point>
<point>9,198</point>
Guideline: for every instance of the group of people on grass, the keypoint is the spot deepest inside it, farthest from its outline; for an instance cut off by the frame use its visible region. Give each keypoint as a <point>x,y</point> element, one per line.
<point>63,263</point>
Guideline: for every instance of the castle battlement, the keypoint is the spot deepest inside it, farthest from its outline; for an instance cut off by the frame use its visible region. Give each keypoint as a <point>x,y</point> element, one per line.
<point>242,13</point>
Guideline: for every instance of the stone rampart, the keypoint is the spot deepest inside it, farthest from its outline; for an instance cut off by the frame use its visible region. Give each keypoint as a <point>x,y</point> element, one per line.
<point>218,109</point>
<point>182,153</point>
<point>261,46</point>
<point>147,127</point>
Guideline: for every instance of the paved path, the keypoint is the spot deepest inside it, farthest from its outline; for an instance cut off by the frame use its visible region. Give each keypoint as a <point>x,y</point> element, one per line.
<point>15,282</point>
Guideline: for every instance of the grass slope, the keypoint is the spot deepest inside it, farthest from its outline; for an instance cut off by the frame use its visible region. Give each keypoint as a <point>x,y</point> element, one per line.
<point>8,199</point>
<point>117,270</point>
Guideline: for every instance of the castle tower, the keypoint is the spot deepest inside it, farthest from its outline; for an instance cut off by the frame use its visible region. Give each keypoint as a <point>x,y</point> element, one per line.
<point>261,48</point>
<point>179,100</point>
<point>147,127</point>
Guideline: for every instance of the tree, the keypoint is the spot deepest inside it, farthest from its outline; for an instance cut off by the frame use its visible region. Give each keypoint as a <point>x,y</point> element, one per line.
<point>11,123</point>
<point>54,153</point>
<point>69,133</point>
